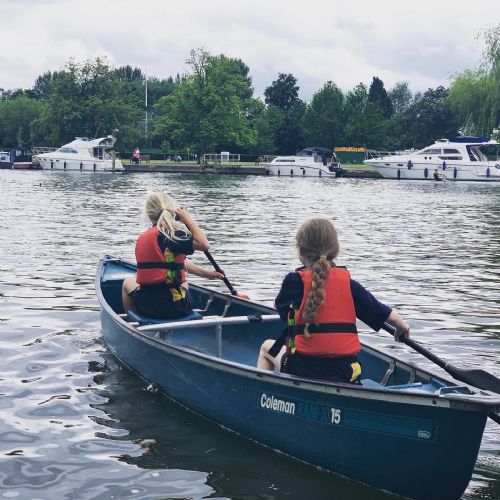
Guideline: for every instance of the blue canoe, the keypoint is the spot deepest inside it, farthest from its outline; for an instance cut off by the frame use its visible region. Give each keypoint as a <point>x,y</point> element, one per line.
<point>404,430</point>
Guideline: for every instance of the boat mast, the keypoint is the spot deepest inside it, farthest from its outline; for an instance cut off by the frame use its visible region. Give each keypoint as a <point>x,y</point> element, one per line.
<point>146,106</point>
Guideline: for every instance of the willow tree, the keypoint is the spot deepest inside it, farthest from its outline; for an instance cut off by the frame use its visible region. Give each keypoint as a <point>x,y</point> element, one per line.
<point>474,95</point>
<point>210,107</point>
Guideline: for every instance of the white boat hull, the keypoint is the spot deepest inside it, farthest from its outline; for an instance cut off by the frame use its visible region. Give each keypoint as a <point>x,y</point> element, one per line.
<point>88,165</point>
<point>425,171</point>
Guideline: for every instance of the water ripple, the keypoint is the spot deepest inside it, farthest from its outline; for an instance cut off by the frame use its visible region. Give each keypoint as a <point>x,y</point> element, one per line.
<point>75,424</point>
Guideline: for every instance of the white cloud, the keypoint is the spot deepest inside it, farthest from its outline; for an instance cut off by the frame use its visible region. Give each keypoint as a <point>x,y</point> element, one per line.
<point>424,42</point>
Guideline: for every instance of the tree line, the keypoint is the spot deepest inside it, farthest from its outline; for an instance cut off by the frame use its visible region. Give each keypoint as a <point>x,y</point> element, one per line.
<point>212,108</point>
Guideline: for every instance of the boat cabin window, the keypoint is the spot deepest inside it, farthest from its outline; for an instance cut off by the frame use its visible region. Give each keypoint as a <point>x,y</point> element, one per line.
<point>491,151</point>
<point>430,151</point>
<point>450,157</point>
<point>451,154</point>
<point>478,155</point>
<point>285,160</point>
<point>67,150</point>
<point>99,153</point>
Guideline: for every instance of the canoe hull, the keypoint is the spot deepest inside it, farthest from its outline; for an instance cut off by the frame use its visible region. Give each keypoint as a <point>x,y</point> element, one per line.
<point>404,446</point>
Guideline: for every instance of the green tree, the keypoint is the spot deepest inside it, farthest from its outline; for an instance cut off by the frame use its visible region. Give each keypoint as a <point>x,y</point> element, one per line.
<point>322,121</point>
<point>16,118</point>
<point>428,118</point>
<point>286,127</point>
<point>364,123</point>
<point>85,99</point>
<point>283,92</point>
<point>43,85</point>
<point>284,113</point>
<point>474,96</point>
<point>401,97</point>
<point>378,95</point>
<point>207,108</point>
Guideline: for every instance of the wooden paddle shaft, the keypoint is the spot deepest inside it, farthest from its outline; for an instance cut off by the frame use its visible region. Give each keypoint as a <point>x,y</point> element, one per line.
<point>219,270</point>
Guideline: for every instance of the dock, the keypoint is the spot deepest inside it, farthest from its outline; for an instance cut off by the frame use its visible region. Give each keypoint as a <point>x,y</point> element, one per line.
<point>194,168</point>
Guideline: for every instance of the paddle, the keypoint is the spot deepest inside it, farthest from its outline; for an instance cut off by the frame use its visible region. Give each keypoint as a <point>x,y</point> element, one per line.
<point>478,378</point>
<point>226,281</point>
<point>475,377</point>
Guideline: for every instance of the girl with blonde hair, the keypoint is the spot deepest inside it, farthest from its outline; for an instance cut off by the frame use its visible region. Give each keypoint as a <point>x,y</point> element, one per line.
<point>321,302</point>
<point>160,289</point>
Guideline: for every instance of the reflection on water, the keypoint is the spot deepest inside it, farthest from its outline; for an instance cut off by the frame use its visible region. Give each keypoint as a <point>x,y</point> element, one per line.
<point>75,424</point>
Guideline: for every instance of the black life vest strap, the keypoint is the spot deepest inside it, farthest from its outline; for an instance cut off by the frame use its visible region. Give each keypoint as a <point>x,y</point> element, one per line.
<point>279,343</point>
<point>173,266</point>
<point>325,328</point>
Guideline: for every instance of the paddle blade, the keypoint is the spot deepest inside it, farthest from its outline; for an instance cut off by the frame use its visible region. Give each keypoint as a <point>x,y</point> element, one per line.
<point>472,376</point>
<point>242,296</point>
<point>478,378</point>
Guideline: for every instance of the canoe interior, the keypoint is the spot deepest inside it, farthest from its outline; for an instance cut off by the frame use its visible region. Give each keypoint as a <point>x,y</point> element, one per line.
<point>240,343</point>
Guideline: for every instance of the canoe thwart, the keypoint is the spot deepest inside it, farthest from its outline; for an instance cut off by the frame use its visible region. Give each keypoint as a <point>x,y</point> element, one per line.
<point>213,321</point>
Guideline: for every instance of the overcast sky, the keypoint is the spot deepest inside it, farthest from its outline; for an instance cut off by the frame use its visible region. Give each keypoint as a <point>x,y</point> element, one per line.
<point>423,42</point>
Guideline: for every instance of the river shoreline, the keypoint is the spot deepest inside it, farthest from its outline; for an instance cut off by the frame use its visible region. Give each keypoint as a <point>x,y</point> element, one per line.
<point>360,173</point>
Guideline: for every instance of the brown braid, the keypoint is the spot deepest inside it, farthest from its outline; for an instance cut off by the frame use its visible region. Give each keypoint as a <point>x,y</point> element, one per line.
<point>318,245</point>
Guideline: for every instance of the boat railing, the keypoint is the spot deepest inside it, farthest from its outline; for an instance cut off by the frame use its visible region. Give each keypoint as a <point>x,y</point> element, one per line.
<point>38,150</point>
<point>373,154</point>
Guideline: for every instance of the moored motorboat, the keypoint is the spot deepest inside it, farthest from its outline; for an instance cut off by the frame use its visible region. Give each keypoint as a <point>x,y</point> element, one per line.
<point>16,159</point>
<point>81,154</point>
<point>22,158</point>
<point>404,430</point>
<point>457,159</point>
<point>5,160</point>
<point>309,162</point>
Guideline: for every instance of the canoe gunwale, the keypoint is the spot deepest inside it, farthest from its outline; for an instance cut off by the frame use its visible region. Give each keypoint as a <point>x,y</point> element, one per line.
<point>481,401</point>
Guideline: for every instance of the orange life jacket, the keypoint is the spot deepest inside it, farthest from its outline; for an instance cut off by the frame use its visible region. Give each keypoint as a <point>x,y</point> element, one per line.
<point>334,331</point>
<point>153,265</point>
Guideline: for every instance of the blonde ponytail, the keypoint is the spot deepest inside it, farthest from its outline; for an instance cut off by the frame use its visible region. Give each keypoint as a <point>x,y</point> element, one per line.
<point>318,245</point>
<point>320,270</point>
<point>160,209</point>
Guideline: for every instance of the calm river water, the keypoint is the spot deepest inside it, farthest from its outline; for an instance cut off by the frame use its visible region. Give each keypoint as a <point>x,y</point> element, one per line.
<point>76,424</point>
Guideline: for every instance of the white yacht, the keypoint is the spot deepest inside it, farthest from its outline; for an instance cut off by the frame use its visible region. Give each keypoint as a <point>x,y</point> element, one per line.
<point>310,162</point>
<point>81,154</point>
<point>459,159</point>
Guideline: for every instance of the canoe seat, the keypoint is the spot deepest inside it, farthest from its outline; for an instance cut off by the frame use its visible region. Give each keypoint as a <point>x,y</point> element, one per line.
<point>144,320</point>
<point>368,382</point>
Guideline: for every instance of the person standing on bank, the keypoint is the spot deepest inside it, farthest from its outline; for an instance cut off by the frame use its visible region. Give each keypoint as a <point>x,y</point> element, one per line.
<point>136,155</point>
<point>321,302</point>
<point>160,289</point>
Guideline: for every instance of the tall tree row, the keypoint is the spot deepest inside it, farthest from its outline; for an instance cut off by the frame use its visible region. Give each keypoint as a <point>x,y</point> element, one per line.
<point>212,108</point>
<point>474,95</point>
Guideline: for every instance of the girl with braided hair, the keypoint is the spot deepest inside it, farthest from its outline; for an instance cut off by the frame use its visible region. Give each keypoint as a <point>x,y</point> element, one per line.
<point>321,302</point>
<point>159,289</point>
